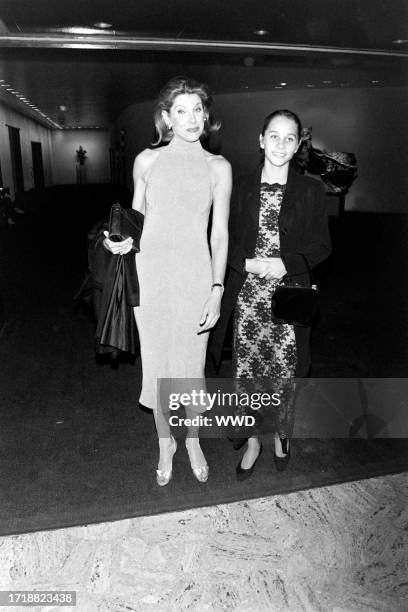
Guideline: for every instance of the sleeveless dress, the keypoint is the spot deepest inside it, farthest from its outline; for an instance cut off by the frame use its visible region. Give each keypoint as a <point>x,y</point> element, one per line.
<point>263,349</point>
<point>174,267</point>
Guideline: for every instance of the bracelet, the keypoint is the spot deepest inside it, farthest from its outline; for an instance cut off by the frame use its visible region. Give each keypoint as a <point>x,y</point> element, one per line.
<point>217,285</point>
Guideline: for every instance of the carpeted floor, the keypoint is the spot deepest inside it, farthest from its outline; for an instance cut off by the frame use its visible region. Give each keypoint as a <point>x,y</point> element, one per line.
<point>75,448</point>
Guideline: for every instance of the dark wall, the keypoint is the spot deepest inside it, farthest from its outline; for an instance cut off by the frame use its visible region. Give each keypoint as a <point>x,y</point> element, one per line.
<point>371,123</point>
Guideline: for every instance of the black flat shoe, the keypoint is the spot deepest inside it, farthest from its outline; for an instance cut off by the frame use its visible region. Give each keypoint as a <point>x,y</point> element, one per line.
<point>243,474</point>
<point>238,443</point>
<point>281,463</point>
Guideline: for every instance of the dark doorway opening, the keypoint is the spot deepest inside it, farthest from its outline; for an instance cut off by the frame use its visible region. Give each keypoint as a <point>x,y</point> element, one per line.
<point>38,168</point>
<point>16,161</point>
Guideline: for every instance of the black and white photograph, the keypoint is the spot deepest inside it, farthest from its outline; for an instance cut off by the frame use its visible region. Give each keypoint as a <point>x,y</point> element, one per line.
<point>204,305</point>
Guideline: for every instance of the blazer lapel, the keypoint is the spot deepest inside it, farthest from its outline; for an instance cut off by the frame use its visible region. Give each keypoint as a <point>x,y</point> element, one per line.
<point>253,196</point>
<point>290,195</point>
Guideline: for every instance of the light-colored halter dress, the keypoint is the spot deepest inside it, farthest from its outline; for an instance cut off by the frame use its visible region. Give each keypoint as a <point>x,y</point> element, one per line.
<point>174,267</point>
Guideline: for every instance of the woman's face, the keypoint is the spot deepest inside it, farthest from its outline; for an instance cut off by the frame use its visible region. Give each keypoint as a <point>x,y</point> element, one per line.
<point>186,117</point>
<point>280,141</point>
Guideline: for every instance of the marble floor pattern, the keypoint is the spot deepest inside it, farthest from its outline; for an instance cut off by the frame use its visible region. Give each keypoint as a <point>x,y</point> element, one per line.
<point>342,548</point>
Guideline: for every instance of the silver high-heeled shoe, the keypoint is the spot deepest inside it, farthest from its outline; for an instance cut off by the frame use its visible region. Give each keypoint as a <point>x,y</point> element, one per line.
<point>200,472</point>
<point>163,477</point>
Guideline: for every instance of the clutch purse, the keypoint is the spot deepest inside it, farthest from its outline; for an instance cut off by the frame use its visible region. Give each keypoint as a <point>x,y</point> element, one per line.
<point>125,223</point>
<point>293,303</point>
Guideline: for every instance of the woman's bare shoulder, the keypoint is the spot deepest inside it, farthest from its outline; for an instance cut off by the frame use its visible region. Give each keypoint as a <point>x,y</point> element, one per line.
<point>217,163</point>
<point>145,160</point>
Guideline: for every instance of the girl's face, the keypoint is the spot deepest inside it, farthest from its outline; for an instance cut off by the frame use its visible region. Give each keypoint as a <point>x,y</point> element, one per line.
<point>280,141</point>
<point>186,117</point>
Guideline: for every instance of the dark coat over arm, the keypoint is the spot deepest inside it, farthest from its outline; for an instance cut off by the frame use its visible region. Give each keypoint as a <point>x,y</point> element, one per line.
<point>116,291</point>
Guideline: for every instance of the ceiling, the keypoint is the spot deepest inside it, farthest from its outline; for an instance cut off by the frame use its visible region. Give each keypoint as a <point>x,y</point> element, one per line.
<point>53,55</point>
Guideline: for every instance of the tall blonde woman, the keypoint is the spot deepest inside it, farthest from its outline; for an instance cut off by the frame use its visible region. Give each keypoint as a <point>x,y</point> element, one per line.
<point>181,282</point>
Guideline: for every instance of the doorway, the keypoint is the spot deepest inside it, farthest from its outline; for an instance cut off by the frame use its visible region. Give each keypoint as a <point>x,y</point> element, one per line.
<point>38,168</point>
<point>16,161</point>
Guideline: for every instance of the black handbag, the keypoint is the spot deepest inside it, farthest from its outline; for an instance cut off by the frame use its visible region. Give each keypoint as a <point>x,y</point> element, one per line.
<point>125,223</point>
<point>293,303</point>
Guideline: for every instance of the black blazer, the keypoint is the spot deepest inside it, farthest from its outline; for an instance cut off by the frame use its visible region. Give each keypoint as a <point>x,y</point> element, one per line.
<point>303,228</point>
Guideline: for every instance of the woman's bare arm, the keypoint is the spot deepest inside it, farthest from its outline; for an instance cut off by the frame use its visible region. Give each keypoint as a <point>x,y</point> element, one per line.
<point>222,185</point>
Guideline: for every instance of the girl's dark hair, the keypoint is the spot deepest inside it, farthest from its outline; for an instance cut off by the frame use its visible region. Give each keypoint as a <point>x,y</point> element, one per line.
<point>283,113</point>
<point>176,86</point>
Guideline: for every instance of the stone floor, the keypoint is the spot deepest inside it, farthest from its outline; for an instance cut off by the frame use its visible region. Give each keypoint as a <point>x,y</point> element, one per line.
<point>342,548</point>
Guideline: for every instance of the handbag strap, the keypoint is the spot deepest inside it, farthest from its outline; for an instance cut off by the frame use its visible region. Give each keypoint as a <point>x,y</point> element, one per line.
<point>301,273</point>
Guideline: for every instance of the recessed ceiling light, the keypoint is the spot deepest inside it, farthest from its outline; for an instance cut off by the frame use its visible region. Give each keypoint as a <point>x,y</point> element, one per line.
<point>63,108</point>
<point>327,82</point>
<point>283,84</point>
<point>102,25</point>
<point>79,30</point>
<point>249,61</point>
<point>375,82</point>
<point>309,85</point>
<point>261,32</point>
<point>400,41</point>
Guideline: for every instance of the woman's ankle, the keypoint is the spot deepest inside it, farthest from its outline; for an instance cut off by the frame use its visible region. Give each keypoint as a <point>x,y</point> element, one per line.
<point>192,441</point>
<point>281,445</point>
<point>254,443</point>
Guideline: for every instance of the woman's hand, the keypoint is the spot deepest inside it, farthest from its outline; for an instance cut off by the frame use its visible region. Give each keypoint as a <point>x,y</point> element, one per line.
<point>211,310</point>
<point>274,268</point>
<point>117,248</point>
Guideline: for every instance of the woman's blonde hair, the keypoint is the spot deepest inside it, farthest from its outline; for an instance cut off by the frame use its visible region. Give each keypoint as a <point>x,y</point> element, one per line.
<point>176,86</point>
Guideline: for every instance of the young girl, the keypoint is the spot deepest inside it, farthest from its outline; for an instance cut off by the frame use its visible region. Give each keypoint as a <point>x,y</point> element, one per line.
<point>278,218</point>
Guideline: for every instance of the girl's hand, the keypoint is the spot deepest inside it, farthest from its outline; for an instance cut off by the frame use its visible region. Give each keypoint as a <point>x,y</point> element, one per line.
<point>211,310</point>
<point>255,266</point>
<point>274,268</point>
<point>117,248</point>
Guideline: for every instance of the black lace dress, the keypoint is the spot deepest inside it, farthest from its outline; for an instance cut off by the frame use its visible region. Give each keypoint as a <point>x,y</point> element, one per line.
<point>263,349</point>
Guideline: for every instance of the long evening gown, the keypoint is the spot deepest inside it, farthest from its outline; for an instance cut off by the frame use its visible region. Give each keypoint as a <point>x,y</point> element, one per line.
<point>174,267</point>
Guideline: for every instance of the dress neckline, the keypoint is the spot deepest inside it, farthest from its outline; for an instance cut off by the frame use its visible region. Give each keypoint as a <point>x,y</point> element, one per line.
<point>178,144</point>
<point>270,185</point>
